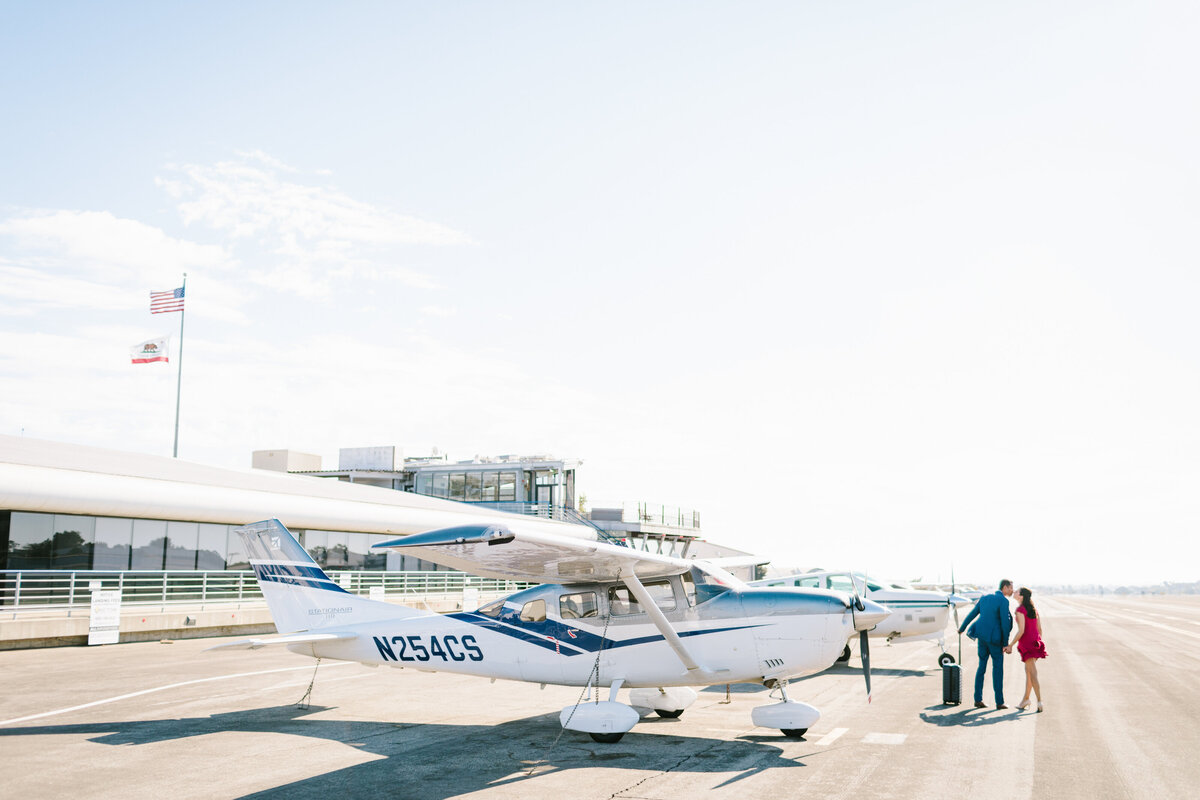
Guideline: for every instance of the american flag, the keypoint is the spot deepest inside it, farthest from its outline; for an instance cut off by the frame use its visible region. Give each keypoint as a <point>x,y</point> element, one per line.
<point>164,302</point>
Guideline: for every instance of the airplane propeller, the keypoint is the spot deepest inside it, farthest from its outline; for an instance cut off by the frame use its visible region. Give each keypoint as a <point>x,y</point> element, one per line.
<point>865,651</point>
<point>864,648</point>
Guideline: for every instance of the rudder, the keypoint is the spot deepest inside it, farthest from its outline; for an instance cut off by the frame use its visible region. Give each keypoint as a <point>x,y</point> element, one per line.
<point>299,593</point>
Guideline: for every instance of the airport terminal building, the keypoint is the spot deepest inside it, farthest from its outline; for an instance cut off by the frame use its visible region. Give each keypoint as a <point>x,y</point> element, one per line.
<point>66,507</point>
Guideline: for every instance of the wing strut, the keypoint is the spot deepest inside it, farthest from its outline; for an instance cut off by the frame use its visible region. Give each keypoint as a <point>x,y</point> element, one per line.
<point>664,626</point>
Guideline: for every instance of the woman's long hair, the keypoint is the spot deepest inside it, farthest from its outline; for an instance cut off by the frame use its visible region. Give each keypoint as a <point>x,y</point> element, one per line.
<point>1027,602</point>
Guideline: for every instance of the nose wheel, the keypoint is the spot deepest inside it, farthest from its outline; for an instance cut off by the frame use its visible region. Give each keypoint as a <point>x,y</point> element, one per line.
<point>944,659</point>
<point>845,656</point>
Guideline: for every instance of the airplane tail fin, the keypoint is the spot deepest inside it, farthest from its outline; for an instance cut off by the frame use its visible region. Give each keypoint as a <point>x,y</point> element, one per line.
<point>301,596</point>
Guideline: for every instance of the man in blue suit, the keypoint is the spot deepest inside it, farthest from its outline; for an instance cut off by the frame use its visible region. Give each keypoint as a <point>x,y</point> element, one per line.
<point>991,632</point>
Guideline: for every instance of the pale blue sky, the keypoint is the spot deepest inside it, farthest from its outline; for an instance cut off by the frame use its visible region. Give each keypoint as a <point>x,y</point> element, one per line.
<point>871,285</point>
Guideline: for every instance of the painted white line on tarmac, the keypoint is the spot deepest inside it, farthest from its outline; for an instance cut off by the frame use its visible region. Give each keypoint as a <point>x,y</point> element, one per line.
<point>170,686</point>
<point>1141,621</point>
<point>831,737</point>
<point>885,738</point>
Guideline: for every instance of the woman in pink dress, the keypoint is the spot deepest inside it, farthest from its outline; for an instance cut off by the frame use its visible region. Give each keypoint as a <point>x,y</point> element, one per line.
<point>1029,645</point>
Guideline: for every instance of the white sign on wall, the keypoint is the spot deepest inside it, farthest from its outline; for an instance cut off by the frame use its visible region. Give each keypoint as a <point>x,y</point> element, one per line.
<point>105,624</point>
<point>470,601</point>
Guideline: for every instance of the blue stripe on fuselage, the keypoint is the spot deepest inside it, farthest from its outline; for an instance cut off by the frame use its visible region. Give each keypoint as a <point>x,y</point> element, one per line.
<point>552,634</point>
<point>294,570</point>
<point>312,583</point>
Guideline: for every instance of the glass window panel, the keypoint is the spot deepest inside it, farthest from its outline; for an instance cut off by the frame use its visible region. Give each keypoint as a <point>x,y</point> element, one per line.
<point>458,486</point>
<point>356,550</point>
<point>622,601</point>
<point>492,609</point>
<point>376,559</point>
<point>149,540</point>
<point>689,588</point>
<point>841,583</point>
<point>474,484</point>
<point>74,538</point>
<point>30,541</point>
<point>235,551</point>
<point>317,545</point>
<point>424,483</point>
<point>337,556</point>
<point>441,484</point>
<point>491,485</point>
<point>210,546</point>
<point>113,535</point>
<point>662,593</point>
<point>181,545</point>
<point>534,611</point>
<point>508,486</point>
<point>578,605</point>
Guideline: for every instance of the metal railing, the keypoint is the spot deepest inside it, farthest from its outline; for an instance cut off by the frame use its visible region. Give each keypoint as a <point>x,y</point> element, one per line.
<point>650,514</point>
<point>58,590</point>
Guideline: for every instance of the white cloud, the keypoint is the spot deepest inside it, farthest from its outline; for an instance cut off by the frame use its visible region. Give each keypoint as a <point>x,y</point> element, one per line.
<point>308,234</point>
<point>120,251</point>
<point>28,290</point>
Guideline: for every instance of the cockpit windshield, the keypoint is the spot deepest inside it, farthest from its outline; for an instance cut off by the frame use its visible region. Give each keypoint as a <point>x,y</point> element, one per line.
<point>492,609</point>
<point>704,582</point>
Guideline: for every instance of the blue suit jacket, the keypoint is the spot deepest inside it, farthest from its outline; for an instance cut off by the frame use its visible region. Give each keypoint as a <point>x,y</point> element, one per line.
<point>995,620</point>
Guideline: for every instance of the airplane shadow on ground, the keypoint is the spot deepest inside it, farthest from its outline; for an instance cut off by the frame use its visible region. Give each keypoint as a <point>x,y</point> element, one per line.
<point>845,669</point>
<point>967,716</point>
<point>438,761</point>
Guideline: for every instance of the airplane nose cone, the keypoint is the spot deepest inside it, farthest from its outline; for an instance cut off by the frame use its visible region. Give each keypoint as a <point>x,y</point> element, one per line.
<point>872,614</point>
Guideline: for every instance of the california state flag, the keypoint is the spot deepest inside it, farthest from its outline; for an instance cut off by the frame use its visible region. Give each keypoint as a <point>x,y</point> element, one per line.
<point>150,351</point>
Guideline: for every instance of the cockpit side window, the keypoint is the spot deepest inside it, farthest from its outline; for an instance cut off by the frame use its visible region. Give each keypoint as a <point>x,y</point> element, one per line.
<point>663,594</point>
<point>841,583</point>
<point>492,609</point>
<point>809,583</point>
<point>578,605</point>
<point>534,611</point>
<point>622,602</point>
<point>873,587</point>
<point>689,588</point>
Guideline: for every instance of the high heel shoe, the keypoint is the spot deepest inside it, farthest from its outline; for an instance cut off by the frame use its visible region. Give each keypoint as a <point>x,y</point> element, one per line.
<point>1023,706</point>
<point>1039,708</point>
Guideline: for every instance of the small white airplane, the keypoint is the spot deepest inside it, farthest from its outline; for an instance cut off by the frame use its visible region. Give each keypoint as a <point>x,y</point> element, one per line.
<point>613,617</point>
<point>916,614</point>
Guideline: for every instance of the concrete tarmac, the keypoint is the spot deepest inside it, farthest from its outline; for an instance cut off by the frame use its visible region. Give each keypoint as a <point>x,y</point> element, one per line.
<point>151,720</point>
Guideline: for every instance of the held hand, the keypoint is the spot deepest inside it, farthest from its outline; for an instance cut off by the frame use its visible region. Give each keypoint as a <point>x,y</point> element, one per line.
<point>1008,649</point>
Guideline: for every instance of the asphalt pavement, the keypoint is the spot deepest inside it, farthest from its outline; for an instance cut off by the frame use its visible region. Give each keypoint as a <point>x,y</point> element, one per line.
<point>154,720</point>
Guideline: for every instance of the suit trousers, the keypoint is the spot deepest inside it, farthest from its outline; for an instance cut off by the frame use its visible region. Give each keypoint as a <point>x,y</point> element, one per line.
<point>996,653</point>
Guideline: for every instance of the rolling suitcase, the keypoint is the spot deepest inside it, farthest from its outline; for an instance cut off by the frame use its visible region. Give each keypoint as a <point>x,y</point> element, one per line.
<point>951,685</point>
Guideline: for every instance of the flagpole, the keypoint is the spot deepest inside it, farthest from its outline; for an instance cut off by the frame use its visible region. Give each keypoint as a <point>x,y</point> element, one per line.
<point>179,380</point>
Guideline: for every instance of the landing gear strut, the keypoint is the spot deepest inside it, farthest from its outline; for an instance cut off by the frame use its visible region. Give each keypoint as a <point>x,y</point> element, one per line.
<point>792,719</point>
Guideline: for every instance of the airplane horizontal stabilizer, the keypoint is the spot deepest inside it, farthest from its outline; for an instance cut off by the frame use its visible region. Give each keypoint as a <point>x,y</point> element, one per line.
<point>298,638</point>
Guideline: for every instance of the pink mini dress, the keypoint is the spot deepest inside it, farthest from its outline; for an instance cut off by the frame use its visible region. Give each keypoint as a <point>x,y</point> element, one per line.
<point>1030,645</point>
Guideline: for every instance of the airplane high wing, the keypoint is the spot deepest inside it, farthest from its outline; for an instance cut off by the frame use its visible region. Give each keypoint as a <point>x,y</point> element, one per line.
<point>507,552</point>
